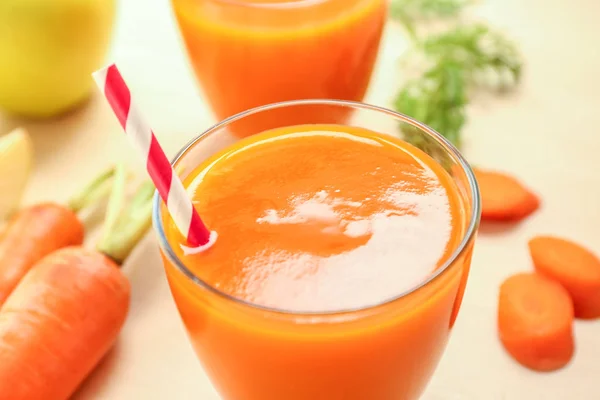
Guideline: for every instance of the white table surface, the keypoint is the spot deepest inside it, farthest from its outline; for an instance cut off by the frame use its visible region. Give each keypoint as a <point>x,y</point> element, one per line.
<point>548,134</point>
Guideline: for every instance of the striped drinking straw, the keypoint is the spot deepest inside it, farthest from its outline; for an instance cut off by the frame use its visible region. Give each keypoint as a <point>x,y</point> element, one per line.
<point>169,186</point>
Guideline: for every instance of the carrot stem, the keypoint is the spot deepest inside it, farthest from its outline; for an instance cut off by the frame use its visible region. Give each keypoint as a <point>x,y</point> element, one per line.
<point>94,192</point>
<point>116,200</point>
<point>125,223</point>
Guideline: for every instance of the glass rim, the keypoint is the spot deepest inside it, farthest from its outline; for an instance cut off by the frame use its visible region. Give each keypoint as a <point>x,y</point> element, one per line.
<point>272,6</point>
<point>157,215</point>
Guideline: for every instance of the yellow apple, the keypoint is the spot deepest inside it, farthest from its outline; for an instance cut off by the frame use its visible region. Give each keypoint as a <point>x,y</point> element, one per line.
<point>48,49</point>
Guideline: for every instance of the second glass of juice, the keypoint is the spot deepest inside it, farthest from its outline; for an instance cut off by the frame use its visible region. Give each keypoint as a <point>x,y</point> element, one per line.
<point>248,53</point>
<point>342,254</point>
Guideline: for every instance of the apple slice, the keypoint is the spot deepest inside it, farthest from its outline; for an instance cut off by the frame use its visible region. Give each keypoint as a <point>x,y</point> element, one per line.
<point>16,160</point>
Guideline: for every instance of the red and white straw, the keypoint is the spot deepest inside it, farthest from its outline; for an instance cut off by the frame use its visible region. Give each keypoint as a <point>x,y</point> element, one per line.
<point>161,172</point>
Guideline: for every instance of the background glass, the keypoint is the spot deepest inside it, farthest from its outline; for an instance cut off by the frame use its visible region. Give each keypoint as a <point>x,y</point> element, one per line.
<point>248,53</point>
<point>385,352</point>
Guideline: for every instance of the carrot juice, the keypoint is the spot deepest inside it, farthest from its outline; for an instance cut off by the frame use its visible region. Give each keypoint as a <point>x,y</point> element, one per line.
<point>247,53</point>
<point>340,264</point>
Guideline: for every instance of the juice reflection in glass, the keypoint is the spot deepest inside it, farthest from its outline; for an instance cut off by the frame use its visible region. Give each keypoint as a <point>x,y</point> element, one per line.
<point>342,257</point>
<point>248,53</point>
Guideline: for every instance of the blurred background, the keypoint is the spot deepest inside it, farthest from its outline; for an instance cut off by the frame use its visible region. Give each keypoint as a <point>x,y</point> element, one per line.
<point>555,100</point>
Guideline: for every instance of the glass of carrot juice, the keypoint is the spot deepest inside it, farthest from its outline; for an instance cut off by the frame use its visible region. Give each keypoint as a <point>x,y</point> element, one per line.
<point>341,259</point>
<point>248,53</point>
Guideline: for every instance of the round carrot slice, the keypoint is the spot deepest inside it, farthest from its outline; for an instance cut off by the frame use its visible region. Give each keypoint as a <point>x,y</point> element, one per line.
<point>535,321</point>
<point>574,267</point>
<point>503,198</point>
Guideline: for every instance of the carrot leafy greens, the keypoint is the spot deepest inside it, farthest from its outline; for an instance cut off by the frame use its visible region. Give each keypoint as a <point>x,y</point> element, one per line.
<point>464,57</point>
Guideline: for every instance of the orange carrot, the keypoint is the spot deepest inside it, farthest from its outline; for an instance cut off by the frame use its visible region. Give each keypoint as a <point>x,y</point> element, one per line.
<point>58,323</point>
<point>67,311</point>
<point>32,234</point>
<point>37,231</point>
<point>574,267</point>
<point>503,198</point>
<point>535,321</point>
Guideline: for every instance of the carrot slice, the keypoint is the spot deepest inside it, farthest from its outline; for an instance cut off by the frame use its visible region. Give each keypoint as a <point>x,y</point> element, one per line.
<point>574,267</point>
<point>504,198</point>
<point>535,321</point>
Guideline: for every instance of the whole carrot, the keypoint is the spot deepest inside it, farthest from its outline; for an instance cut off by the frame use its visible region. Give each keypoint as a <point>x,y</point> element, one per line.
<point>37,231</point>
<point>33,233</point>
<point>67,311</point>
<point>58,323</point>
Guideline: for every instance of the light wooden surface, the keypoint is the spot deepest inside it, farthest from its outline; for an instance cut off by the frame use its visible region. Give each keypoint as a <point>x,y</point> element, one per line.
<point>547,133</point>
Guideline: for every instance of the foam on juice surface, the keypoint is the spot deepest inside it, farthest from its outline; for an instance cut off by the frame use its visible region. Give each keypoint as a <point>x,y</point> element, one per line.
<point>322,220</point>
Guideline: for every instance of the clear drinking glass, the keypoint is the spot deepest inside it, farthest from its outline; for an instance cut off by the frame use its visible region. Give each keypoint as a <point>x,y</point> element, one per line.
<point>248,53</point>
<point>384,352</point>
